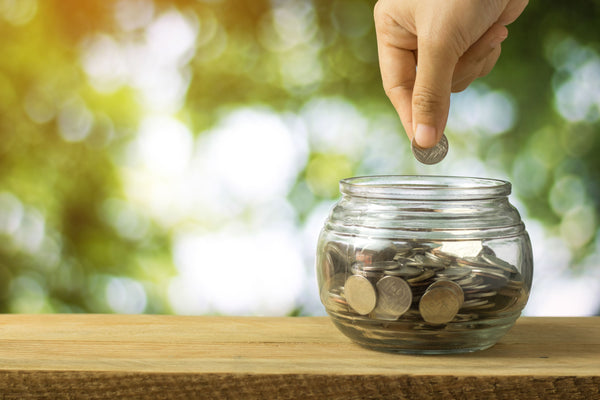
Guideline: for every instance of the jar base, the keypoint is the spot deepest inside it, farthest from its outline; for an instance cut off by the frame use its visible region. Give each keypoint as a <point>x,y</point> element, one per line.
<point>397,350</point>
<point>408,337</point>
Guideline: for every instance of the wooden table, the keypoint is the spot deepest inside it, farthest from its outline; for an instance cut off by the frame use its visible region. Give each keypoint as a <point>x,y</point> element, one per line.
<point>171,357</point>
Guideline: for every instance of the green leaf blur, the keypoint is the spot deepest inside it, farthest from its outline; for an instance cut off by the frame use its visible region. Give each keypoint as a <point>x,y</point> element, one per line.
<point>71,224</point>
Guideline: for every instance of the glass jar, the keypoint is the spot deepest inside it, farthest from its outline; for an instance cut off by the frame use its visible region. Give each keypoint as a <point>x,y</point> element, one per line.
<point>424,264</point>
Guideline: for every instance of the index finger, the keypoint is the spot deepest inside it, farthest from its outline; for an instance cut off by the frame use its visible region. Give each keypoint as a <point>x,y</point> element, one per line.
<point>398,73</point>
<point>396,47</point>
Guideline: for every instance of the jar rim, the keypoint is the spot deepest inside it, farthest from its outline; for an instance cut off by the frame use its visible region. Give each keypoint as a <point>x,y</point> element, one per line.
<point>425,187</point>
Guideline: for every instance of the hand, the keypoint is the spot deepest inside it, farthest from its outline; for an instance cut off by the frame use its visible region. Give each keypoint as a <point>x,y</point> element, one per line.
<point>452,42</point>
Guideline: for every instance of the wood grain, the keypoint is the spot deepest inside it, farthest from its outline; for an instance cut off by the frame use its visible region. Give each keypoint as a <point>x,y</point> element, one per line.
<point>145,356</point>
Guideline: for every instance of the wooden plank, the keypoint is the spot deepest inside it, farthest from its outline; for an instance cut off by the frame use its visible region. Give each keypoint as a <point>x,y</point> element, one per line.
<point>111,356</point>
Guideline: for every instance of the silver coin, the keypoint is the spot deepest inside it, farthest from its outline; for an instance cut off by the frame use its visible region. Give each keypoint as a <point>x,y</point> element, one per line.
<point>485,306</point>
<point>334,284</point>
<point>514,284</point>
<point>356,268</point>
<point>470,281</point>
<point>469,289</point>
<point>472,262</point>
<point>439,305</point>
<point>381,266</point>
<point>434,261</point>
<point>336,255</point>
<point>334,301</point>
<point>498,262</point>
<point>479,295</point>
<point>328,269</point>
<point>422,277</point>
<point>405,272</point>
<point>491,279</point>
<point>455,287</point>
<point>394,298</point>
<point>402,260</point>
<point>460,248</point>
<point>360,294</point>
<point>432,155</point>
<point>474,303</point>
<point>440,275</point>
<point>454,273</point>
<point>417,260</point>
<point>486,250</point>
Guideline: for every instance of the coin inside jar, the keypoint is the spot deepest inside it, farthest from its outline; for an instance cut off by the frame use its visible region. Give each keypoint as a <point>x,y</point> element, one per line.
<point>478,281</point>
<point>455,287</point>
<point>360,294</point>
<point>394,298</point>
<point>439,305</point>
<point>432,155</point>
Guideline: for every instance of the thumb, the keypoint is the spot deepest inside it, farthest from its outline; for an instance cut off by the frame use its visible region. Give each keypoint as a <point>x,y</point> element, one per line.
<point>431,93</point>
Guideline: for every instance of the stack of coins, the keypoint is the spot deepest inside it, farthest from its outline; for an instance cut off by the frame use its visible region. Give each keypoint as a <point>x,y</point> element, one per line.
<point>433,283</point>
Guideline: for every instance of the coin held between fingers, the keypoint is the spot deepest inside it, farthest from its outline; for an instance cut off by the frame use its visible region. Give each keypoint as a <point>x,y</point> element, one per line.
<point>432,155</point>
<point>424,135</point>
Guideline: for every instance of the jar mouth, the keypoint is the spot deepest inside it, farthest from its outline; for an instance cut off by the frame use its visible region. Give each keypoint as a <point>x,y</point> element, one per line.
<point>424,187</point>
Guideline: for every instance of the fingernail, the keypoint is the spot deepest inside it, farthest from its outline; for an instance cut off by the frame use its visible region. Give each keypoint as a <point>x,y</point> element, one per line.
<point>497,40</point>
<point>425,136</point>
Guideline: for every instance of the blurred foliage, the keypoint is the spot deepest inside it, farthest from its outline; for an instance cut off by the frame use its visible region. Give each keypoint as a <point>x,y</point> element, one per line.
<point>64,140</point>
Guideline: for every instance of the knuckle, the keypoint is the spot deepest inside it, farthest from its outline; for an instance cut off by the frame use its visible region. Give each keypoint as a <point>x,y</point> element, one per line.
<point>381,15</point>
<point>391,92</point>
<point>427,101</point>
<point>440,50</point>
<point>402,84</point>
<point>399,88</point>
<point>395,93</point>
<point>460,86</point>
<point>378,11</point>
<point>462,41</point>
<point>385,23</point>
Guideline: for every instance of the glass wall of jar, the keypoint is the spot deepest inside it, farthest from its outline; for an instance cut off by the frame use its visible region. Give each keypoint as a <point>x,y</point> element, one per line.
<point>424,264</point>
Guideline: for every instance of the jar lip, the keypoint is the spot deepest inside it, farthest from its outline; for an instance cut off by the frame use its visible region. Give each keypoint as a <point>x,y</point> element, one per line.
<point>425,187</point>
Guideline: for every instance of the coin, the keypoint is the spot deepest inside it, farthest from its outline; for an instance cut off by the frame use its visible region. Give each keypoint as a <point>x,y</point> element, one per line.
<point>432,155</point>
<point>360,294</point>
<point>381,266</point>
<point>334,283</point>
<point>454,273</point>
<point>334,301</point>
<point>328,269</point>
<point>439,305</point>
<point>440,275</point>
<point>374,270</point>
<point>460,248</point>
<point>498,262</point>
<point>478,295</point>
<point>455,287</point>
<point>474,303</point>
<point>436,261</point>
<point>422,277</point>
<point>394,298</point>
<point>405,271</point>
<point>402,247</point>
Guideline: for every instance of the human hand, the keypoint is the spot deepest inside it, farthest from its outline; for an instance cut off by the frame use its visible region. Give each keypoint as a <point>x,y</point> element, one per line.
<point>452,42</point>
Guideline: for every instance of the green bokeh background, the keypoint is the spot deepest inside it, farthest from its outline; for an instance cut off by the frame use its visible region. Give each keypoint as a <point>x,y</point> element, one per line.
<point>58,246</point>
